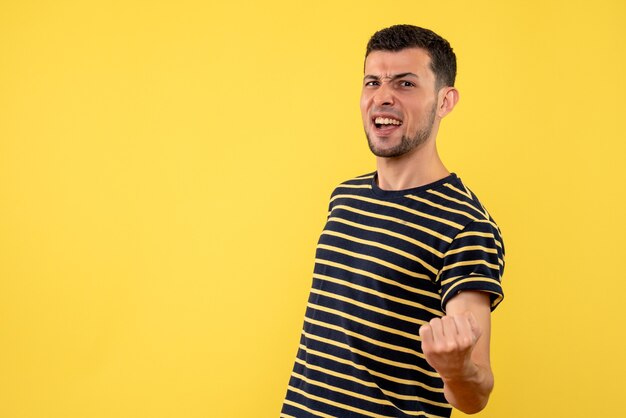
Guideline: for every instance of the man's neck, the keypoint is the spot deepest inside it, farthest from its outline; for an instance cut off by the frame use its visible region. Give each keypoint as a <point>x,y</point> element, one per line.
<point>420,167</point>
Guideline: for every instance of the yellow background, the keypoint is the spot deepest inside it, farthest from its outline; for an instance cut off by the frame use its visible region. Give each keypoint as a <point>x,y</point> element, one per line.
<point>165,169</point>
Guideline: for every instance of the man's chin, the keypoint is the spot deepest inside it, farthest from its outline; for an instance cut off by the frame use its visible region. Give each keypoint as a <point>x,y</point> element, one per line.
<point>398,148</point>
<point>385,152</point>
<point>393,152</point>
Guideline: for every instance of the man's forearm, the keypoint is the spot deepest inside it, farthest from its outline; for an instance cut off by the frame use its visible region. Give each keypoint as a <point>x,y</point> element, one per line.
<point>457,347</point>
<point>469,393</point>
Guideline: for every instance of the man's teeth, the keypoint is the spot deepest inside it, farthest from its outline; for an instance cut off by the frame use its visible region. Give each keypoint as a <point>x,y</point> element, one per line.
<point>387,121</point>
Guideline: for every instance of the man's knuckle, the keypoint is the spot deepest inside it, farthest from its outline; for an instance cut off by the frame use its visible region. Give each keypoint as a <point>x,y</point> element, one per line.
<point>450,347</point>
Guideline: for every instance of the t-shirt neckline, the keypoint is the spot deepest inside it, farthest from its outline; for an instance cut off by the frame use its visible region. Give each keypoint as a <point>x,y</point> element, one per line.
<point>415,190</point>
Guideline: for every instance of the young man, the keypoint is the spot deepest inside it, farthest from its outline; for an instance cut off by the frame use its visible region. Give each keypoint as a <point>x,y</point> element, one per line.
<point>408,267</point>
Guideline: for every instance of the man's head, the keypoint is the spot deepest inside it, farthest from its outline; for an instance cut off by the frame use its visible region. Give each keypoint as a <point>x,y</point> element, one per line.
<point>398,37</point>
<point>407,89</point>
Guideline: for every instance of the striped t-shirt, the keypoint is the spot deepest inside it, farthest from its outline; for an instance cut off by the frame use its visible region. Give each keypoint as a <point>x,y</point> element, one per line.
<point>387,262</point>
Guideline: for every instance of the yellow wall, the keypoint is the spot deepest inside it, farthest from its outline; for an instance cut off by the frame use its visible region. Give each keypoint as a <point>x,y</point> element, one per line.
<point>165,169</point>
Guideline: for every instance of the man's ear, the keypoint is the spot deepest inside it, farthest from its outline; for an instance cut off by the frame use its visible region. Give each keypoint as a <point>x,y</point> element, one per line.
<point>448,98</point>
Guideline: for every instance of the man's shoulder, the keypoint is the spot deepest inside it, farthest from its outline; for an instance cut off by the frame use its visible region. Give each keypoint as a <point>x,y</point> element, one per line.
<point>363,181</point>
<point>454,194</point>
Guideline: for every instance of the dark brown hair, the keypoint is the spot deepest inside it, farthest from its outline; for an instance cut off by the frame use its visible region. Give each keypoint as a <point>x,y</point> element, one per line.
<point>398,37</point>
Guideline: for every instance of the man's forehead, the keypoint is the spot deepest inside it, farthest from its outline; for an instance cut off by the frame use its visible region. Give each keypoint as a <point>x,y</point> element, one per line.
<point>389,76</point>
<point>389,63</point>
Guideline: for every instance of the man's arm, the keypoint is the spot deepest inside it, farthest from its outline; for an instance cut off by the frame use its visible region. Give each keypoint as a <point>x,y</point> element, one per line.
<point>457,347</point>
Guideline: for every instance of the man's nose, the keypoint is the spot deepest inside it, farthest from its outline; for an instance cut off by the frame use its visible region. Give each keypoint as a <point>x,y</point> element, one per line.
<point>383,96</point>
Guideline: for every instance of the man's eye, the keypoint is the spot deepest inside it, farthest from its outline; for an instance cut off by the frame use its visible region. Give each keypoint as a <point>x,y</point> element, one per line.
<point>406,84</point>
<point>371,83</point>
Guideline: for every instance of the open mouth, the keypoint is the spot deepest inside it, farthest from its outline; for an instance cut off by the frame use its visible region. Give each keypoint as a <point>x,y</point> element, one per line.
<point>382,123</point>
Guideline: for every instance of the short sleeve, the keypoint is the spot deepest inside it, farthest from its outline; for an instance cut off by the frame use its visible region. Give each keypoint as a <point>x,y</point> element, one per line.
<point>474,261</point>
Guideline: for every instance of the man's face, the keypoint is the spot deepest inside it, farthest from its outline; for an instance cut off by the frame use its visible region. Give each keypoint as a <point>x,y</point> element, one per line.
<point>398,101</point>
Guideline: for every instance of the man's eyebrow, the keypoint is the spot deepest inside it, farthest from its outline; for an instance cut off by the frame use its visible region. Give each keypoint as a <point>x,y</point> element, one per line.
<point>391,77</point>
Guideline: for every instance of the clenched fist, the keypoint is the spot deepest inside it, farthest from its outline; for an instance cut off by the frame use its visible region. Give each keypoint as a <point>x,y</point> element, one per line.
<point>448,342</point>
